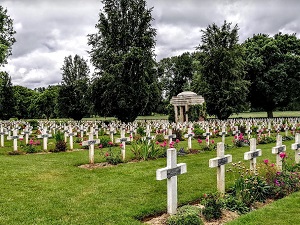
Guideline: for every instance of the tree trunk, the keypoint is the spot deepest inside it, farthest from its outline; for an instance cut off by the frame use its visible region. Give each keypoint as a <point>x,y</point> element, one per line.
<point>270,114</point>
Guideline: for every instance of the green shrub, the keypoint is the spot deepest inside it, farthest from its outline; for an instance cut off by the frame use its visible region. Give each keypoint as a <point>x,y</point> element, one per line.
<point>212,206</point>
<point>60,144</point>
<point>104,140</point>
<point>160,137</point>
<point>112,157</point>
<point>186,215</point>
<point>233,204</point>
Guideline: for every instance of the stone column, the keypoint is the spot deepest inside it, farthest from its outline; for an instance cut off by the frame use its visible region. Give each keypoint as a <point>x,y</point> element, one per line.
<point>186,114</point>
<point>181,114</point>
<point>176,113</point>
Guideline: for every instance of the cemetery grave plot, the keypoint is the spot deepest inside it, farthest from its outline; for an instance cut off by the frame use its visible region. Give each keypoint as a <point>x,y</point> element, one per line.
<point>97,165</point>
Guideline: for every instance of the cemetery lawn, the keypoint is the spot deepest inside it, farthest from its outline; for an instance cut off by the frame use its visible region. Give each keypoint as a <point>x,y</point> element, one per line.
<point>52,189</point>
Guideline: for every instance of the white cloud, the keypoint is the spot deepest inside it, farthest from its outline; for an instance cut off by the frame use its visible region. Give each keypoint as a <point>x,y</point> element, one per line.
<point>48,31</point>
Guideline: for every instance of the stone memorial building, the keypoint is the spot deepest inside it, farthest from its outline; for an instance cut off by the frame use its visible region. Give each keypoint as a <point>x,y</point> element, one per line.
<point>182,101</point>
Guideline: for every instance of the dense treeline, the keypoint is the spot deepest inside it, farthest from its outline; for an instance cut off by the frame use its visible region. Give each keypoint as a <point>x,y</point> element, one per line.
<point>263,73</point>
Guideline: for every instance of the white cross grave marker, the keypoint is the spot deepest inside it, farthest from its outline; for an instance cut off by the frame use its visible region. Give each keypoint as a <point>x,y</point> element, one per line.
<point>220,162</point>
<point>27,132</point>
<point>278,149</point>
<point>91,143</point>
<point>296,147</point>
<point>223,133</point>
<point>170,173</point>
<point>207,134</point>
<point>252,154</point>
<point>189,135</point>
<point>123,140</point>
<point>45,137</point>
<point>170,136</point>
<point>2,133</point>
<point>15,139</point>
<point>71,134</point>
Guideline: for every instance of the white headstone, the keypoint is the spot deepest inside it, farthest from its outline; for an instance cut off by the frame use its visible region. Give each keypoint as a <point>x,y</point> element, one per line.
<point>44,135</point>
<point>123,140</point>
<point>15,139</point>
<point>170,173</point>
<point>296,147</point>
<point>252,154</point>
<point>278,149</point>
<point>220,162</point>
<point>91,143</point>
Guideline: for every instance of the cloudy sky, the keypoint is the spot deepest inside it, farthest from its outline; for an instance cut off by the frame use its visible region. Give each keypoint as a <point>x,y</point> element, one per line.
<point>49,30</point>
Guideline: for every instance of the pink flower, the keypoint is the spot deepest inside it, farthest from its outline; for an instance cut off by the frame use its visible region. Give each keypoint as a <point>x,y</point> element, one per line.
<point>177,141</point>
<point>106,154</point>
<point>110,143</point>
<point>206,139</point>
<point>130,136</point>
<point>212,141</point>
<point>266,161</point>
<point>121,145</point>
<point>199,141</point>
<point>30,141</point>
<point>157,142</point>
<point>272,165</point>
<point>21,139</point>
<point>100,146</point>
<point>282,155</point>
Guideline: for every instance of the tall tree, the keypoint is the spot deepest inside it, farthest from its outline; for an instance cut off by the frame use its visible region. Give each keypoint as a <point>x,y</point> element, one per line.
<point>7,99</point>
<point>123,55</point>
<point>273,65</point>
<point>6,35</point>
<point>73,96</point>
<point>44,105</point>
<point>24,97</point>
<point>222,83</point>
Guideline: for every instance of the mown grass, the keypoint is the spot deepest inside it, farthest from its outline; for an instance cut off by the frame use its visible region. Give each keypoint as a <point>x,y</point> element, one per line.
<point>52,189</point>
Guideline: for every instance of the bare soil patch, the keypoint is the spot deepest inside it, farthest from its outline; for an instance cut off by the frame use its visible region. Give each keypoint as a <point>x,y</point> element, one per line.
<point>95,165</point>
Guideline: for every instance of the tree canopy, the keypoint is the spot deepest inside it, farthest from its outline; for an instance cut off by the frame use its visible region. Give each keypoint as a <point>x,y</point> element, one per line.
<point>6,35</point>
<point>73,95</point>
<point>222,83</point>
<point>273,65</point>
<point>123,55</point>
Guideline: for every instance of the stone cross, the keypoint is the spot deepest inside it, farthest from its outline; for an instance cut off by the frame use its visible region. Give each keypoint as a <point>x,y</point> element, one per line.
<point>207,134</point>
<point>286,129</point>
<point>189,135</point>
<point>2,133</point>
<point>170,173</point>
<point>91,143</point>
<point>278,149</point>
<point>71,134</point>
<point>223,133</point>
<point>123,140</point>
<point>220,162</point>
<point>296,147</point>
<point>81,130</point>
<point>248,131</point>
<point>111,133</point>
<point>27,132</point>
<point>96,131</point>
<point>15,139</point>
<point>45,137</point>
<point>170,136</point>
<point>269,129</point>
<point>236,132</point>
<point>252,154</point>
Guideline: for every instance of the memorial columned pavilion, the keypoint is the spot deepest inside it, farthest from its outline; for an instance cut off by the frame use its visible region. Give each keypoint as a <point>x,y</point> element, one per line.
<point>182,101</point>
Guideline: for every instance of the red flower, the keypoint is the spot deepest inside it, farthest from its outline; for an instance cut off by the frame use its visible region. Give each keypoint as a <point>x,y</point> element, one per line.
<point>177,141</point>
<point>282,155</point>
<point>266,161</point>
